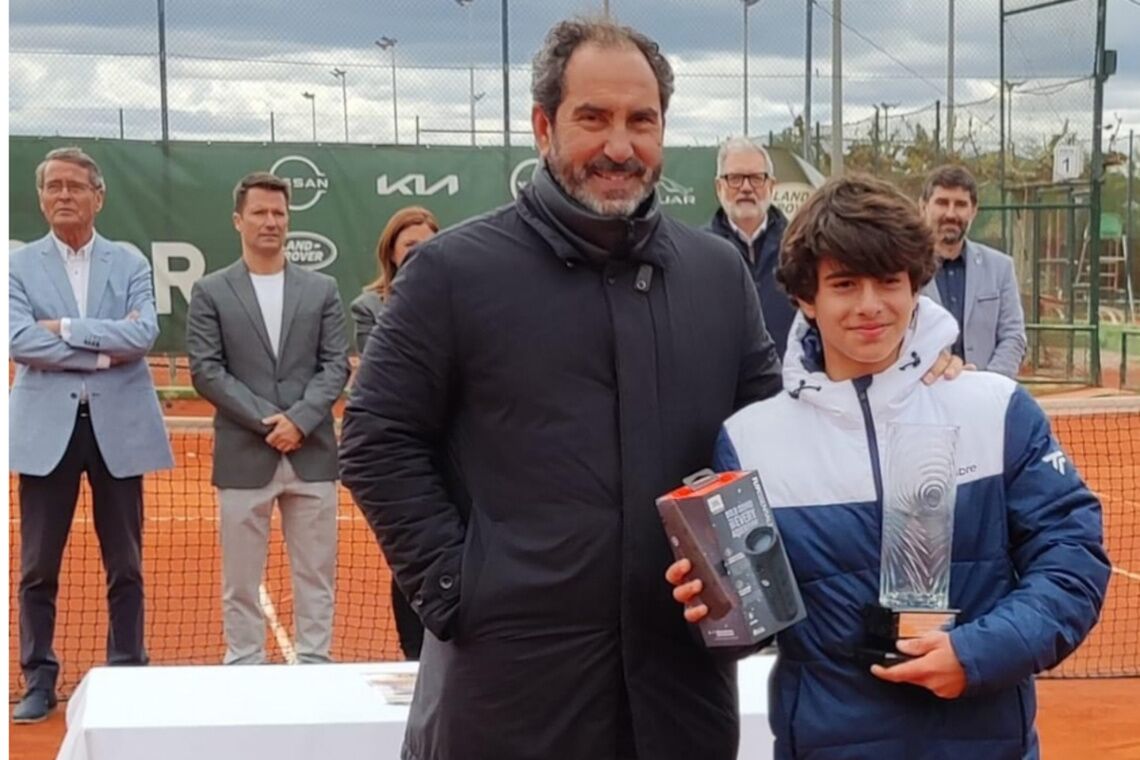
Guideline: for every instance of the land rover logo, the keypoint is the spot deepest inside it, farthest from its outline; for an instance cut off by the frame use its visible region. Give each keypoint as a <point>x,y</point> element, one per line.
<point>673,193</point>
<point>789,196</point>
<point>309,250</point>
<point>307,183</point>
<point>521,174</point>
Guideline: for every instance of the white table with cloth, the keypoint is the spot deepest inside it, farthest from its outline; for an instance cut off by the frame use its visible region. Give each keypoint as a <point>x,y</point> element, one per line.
<point>283,712</point>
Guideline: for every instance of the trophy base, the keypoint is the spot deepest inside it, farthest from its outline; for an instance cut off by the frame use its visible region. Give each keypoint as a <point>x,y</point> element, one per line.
<point>885,626</point>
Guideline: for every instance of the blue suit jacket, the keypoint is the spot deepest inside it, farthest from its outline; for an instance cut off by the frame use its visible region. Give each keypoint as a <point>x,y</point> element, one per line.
<point>994,330</point>
<point>51,372</point>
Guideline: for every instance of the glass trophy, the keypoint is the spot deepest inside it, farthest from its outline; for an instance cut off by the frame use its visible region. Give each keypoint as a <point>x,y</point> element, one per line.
<point>919,493</point>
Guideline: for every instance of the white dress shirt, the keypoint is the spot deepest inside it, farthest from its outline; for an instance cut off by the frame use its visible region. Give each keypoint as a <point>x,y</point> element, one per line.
<point>77,262</point>
<point>78,265</point>
<point>750,239</point>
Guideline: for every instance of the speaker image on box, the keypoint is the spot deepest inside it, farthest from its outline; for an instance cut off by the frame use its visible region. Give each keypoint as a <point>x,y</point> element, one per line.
<point>723,525</point>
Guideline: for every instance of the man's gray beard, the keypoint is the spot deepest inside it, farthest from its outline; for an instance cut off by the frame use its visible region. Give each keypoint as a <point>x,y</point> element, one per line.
<point>761,208</point>
<point>576,188</point>
<point>610,208</point>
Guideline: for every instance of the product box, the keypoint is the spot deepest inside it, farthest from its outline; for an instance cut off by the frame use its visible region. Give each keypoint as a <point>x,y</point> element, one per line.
<point>723,525</point>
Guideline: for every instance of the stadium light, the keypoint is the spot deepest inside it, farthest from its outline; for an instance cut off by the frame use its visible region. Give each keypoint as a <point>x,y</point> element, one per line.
<point>312,98</point>
<point>389,43</point>
<point>746,4</point>
<point>465,5</point>
<point>340,74</point>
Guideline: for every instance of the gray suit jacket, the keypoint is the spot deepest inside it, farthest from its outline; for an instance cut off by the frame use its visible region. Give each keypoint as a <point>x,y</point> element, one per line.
<point>232,366</point>
<point>366,309</point>
<point>994,330</point>
<point>51,372</point>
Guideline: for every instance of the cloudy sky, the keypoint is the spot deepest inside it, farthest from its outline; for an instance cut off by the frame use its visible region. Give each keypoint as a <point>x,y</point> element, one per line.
<point>73,66</point>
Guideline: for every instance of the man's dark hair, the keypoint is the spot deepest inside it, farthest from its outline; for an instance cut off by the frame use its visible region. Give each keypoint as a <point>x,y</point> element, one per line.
<point>863,224</point>
<point>265,181</point>
<point>549,66</point>
<point>950,176</point>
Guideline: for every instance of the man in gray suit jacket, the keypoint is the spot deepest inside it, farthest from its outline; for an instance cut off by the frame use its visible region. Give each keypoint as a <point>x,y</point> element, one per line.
<point>975,283</point>
<point>268,349</point>
<point>81,320</point>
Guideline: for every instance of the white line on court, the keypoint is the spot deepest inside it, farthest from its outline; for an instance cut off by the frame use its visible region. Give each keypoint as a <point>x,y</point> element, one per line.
<point>1126,573</point>
<point>279,631</point>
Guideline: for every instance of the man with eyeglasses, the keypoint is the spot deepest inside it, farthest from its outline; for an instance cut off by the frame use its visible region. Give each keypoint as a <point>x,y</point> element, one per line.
<point>81,321</point>
<point>747,219</point>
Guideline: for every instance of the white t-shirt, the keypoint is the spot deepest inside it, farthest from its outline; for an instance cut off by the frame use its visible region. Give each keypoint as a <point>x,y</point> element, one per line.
<point>270,290</point>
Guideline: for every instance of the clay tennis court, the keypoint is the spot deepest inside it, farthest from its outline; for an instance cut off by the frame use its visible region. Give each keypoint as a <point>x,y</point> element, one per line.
<point>182,565</point>
<point>1106,448</point>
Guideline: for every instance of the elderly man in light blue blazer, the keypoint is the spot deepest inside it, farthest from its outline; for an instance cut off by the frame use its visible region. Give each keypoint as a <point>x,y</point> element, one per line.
<point>974,282</point>
<point>81,320</point>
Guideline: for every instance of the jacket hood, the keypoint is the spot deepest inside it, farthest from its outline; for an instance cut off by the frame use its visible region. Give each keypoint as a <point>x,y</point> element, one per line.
<point>932,329</point>
<point>578,234</point>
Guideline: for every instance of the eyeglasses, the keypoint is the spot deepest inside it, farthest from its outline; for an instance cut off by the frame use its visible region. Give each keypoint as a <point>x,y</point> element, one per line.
<point>736,181</point>
<point>56,187</point>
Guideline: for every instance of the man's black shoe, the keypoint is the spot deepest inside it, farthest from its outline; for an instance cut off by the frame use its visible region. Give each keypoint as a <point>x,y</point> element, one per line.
<point>36,705</point>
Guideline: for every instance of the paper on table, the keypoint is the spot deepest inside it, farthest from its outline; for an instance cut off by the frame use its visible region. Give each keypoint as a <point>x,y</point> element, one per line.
<point>397,688</point>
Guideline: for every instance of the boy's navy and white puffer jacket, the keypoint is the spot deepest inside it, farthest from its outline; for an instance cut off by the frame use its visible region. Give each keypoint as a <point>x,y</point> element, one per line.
<point>1028,572</point>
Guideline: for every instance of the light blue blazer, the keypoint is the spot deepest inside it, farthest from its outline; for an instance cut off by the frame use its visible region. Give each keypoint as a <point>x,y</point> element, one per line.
<point>51,373</point>
<point>994,331</point>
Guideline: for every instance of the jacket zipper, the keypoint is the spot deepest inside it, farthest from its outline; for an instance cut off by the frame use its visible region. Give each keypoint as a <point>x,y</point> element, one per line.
<point>861,385</point>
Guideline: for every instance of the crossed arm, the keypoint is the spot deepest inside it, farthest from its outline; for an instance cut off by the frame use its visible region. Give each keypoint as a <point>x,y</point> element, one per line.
<point>125,339</point>
<point>88,344</point>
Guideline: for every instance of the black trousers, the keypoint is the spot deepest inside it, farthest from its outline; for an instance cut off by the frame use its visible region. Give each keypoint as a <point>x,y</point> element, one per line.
<point>47,507</point>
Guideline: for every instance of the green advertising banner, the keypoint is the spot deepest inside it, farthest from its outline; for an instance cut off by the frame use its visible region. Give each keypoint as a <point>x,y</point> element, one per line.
<point>174,202</point>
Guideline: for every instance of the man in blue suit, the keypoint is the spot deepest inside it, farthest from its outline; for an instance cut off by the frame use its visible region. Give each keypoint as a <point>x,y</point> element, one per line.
<point>81,320</point>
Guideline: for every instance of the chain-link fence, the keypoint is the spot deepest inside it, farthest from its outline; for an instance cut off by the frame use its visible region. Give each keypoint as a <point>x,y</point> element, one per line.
<point>995,85</point>
<point>434,71</point>
<point>1120,286</point>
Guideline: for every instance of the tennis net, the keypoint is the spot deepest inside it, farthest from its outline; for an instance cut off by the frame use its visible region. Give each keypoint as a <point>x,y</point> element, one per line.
<point>182,562</point>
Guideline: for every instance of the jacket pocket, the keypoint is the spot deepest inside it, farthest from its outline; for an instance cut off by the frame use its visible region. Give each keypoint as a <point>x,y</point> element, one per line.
<point>470,568</point>
<point>987,301</point>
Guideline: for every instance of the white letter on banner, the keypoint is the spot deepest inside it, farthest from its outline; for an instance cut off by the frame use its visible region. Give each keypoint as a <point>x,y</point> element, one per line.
<point>166,280</point>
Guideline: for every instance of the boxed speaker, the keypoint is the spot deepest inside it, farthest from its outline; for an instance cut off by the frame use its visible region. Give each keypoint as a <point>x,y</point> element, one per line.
<point>723,524</point>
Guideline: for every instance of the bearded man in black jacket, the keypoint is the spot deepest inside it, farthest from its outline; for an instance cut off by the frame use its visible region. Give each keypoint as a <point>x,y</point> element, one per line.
<point>540,375</point>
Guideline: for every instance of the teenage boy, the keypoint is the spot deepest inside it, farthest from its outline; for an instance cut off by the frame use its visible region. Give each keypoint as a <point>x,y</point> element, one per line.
<point>1028,571</point>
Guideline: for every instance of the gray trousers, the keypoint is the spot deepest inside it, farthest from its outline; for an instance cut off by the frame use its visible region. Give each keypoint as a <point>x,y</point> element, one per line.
<point>308,520</point>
